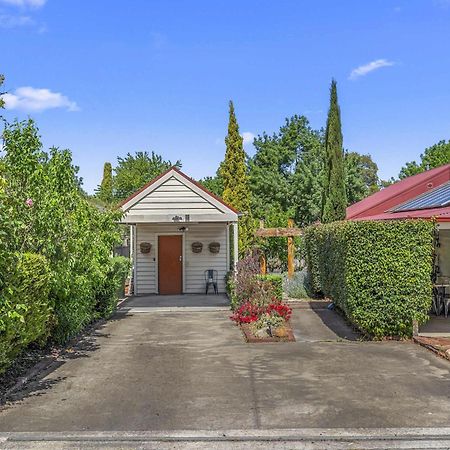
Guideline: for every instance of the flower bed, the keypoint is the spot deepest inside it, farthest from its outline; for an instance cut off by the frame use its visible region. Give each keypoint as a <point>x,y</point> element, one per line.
<point>252,339</point>
<point>258,309</point>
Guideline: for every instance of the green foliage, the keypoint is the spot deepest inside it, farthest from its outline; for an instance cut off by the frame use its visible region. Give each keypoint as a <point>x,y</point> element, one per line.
<point>46,212</point>
<point>236,190</point>
<point>25,309</point>
<point>111,287</point>
<point>276,282</point>
<point>378,273</point>
<point>286,171</point>
<point>299,286</point>
<point>361,176</point>
<point>434,156</point>
<point>133,171</point>
<point>334,200</point>
<point>105,190</point>
<point>2,102</point>
<point>213,184</point>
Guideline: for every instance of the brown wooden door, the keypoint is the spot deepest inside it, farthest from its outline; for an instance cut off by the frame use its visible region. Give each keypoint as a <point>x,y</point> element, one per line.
<point>170,264</point>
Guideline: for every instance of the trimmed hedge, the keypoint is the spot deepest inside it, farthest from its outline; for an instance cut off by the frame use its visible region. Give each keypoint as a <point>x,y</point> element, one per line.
<point>377,272</point>
<point>276,281</point>
<point>25,309</point>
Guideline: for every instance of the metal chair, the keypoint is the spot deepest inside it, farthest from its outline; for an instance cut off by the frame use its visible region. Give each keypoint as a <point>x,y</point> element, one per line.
<point>211,276</point>
<point>446,303</point>
<point>438,302</point>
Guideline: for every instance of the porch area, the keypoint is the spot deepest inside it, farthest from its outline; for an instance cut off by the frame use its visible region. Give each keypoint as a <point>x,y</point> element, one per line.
<point>197,302</point>
<point>437,326</point>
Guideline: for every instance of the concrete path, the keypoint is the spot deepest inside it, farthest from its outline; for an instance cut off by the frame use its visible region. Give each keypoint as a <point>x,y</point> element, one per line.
<point>192,371</point>
<point>168,303</point>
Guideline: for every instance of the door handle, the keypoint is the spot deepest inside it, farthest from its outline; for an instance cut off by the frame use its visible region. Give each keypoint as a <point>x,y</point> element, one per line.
<point>181,258</point>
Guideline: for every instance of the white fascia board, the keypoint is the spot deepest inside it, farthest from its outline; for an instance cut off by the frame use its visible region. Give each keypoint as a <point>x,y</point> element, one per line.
<point>173,173</point>
<point>164,218</point>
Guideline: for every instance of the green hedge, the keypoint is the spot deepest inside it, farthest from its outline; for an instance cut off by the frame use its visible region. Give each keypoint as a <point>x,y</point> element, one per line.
<point>25,309</point>
<point>378,272</point>
<point>112,286</point>
<point>87,298</point>
<point>276,280</point>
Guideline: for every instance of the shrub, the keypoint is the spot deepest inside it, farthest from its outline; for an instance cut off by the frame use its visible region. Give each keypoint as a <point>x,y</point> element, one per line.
<point>246,313</point>
<point>44,210</point>
<point>231,289</point>
<point>244,280</point>
<point>25,309</point>
<point>250,312</point>
<point>280,309</point>
<point>276,283</point>
<point>112,286</point>
<point>267,321</point>
<point>378,273</point>
<point>299,286</point>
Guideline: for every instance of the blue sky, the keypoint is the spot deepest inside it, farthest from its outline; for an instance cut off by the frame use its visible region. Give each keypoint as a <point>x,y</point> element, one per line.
<point>104,78</point>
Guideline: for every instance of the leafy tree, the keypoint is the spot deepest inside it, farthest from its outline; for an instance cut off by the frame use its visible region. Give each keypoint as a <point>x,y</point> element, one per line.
<point>2,102</point>
<point>213,184</point>
<point>334,200</point>
<point>285,172</point>
<point>434,156</point>
<point>236,190</point>
<point>49,215</point>
<point>105,190</point>
<point>133,171</point>
<point>361,176</point>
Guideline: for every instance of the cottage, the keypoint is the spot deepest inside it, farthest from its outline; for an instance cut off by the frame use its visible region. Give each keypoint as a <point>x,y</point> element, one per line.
<point>179,233</point>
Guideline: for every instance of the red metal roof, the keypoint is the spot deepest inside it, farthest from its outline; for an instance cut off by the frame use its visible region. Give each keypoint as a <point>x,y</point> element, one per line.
<point>174,168</point>
<point>377,206</point>
<point>440,214</point>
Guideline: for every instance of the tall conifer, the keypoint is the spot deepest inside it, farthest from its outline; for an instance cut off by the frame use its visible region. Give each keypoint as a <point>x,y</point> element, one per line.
<point>105,189</point>
<point>334,200</point>
<point>234,174</point>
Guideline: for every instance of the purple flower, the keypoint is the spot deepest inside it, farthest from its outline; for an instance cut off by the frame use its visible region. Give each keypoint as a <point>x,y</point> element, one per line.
<point>29,202</point>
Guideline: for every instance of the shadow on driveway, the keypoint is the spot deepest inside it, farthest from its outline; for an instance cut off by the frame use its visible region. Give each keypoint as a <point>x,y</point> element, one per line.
<point>314,322</point>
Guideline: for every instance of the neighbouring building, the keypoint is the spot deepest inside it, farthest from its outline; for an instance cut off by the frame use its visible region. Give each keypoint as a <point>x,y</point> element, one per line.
<point>422,196</point>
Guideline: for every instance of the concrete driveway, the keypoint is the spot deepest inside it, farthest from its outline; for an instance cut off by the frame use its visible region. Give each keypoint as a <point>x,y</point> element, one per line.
<point>188,370</point>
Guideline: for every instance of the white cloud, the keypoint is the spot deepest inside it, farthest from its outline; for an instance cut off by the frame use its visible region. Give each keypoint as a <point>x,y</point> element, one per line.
<point>30,99</point>
<point>370,67</point>
<point>8,21</point>
<point>248,137</point>
<point>25,3</point>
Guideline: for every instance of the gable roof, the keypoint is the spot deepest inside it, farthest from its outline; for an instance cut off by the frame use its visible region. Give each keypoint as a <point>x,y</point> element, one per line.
<point>387,199</point>
<point>149,187</point>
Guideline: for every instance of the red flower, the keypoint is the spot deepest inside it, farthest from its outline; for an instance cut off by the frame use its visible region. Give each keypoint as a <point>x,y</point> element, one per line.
<point>281,309</point>
<point>247,313</point>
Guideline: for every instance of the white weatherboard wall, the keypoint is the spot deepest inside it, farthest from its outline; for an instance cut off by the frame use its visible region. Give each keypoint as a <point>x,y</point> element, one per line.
<point>170,197</point>
<point>194,263</point>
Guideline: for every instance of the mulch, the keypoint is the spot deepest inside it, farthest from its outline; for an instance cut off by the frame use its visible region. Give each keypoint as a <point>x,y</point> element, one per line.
<point>252,339</point>
<point>23,365</point>
<point>438,345</point>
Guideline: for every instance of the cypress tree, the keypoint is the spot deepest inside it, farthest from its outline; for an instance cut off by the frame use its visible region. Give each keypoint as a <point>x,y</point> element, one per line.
<point>234,174</point>
<point>334,199</point>
<point>105,189</point>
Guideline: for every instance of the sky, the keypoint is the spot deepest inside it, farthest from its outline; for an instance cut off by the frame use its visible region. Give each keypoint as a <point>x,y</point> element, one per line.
<point>105,78</point>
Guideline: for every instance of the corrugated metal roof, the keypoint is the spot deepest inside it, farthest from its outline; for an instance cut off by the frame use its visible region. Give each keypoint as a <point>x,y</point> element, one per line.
<point>435,198</point>
<point>440,214</point>
<point>399,192</point>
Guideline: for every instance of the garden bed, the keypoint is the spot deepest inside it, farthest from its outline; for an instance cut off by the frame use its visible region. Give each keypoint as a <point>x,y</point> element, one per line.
<point>252,339</point>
